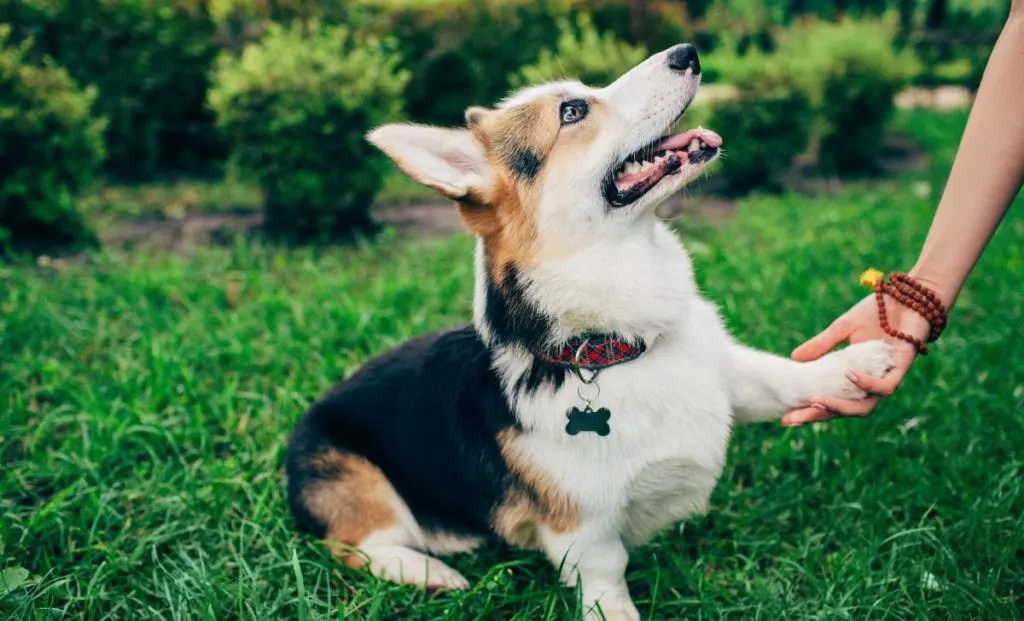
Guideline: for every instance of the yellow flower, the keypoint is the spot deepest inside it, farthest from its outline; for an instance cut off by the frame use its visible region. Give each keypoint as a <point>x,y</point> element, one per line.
<point>870,277</point>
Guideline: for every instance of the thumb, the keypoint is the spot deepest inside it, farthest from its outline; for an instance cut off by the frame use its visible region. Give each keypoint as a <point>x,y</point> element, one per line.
<point>823,343</point>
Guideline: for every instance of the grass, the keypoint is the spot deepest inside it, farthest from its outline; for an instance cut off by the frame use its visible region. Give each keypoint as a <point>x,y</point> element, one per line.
<point>145,401</point>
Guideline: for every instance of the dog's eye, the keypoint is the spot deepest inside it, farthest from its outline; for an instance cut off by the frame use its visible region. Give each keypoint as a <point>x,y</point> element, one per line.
<point>573,111</point>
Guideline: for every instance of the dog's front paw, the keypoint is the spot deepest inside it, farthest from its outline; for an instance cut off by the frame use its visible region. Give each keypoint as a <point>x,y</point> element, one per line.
<point>872,358</point>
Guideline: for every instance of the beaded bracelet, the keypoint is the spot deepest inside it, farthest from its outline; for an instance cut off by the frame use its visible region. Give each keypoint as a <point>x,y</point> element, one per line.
<point>914,296</point>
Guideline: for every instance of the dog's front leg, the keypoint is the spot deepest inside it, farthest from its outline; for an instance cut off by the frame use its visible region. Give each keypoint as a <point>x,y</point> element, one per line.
<point>764,386</point>
<point>594,561</point>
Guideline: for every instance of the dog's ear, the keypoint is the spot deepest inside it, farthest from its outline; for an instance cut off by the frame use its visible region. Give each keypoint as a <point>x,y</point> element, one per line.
<point>476,115</point>
<point>450,161</point>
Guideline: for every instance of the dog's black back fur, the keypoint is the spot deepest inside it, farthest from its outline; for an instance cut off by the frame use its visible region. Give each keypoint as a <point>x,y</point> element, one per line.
<point>427,414</point>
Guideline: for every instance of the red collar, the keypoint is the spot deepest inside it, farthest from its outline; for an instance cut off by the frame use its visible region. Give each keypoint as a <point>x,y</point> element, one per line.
<point>594,351</point>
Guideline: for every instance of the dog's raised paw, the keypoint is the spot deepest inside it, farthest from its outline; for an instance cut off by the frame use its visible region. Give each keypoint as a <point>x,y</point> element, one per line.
<point>872,358</point>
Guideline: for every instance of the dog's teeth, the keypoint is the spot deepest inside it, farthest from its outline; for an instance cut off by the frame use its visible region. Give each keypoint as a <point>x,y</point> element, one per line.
<point>703,145</point>
<point>632,167</point>
<point>658,159</point>
<point>694,145</point>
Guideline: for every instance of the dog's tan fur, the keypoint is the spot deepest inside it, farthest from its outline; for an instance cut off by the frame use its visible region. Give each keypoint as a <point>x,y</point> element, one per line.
<point>506,219</point>
<point>536,501</point>
<point>353,503</point>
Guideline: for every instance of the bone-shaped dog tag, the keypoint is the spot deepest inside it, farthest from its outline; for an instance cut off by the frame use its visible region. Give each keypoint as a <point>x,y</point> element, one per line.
<point>588,419</point>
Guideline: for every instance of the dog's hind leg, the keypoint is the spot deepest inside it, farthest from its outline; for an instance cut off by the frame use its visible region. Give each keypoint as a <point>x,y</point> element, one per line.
<point>365,521</point>
<point>764,386</point>
<point>386,554</point>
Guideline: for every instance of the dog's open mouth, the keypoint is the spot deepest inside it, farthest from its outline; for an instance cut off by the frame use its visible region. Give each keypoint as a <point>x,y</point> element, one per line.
<point>644,169</point>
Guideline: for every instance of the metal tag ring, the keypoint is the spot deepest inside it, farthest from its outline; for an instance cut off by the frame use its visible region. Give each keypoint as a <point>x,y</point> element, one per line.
<point>579,392</point>
<point>579,351</point>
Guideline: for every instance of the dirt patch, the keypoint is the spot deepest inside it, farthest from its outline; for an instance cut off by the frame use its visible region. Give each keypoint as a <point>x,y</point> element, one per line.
<point>421,220</point>
<point>940,98</point>
<point>412,221</point>
<point>181,234</point>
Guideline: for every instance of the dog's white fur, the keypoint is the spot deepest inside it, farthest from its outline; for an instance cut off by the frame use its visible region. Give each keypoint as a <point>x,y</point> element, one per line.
<point>672,409</point>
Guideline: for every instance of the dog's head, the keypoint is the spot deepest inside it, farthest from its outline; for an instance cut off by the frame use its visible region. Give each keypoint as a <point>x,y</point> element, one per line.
<point>559,160</point>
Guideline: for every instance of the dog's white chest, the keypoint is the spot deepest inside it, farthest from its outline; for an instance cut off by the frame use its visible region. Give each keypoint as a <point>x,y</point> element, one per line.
<point>669,429</point>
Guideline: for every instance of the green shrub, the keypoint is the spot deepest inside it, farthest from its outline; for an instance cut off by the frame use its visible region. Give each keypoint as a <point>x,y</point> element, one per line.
<point>654,25</point>
<point>958,52</point>
<point>853,72</point>
<point>149,60</point>
<point>583,53</point>
<point>295,108</point>
<point>461,53</point>
<point>765,126</point>
<point>50,146</point>
<point>964,67</point>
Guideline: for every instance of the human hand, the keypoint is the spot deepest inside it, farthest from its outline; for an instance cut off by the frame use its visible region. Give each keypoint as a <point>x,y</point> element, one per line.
<point>859,324</point>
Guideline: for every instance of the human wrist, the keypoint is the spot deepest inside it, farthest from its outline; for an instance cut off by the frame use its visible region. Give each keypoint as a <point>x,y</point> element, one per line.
<point>938,283</point>
<point>918,315</point>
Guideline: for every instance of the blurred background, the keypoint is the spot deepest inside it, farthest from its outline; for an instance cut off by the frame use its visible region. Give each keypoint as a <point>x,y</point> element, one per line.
<point>120,118</point>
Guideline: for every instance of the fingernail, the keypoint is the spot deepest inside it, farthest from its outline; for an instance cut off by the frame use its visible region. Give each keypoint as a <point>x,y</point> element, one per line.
<point>819,406</point>
<point>852,375</point>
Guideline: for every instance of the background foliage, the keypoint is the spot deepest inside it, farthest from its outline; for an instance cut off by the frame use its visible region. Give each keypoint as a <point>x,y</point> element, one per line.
<point>582,53</point>
<point>152,65</point>
<point>50,147</point>
<point>149,61</point>
<point>852,73</point>
<point>296,107</point>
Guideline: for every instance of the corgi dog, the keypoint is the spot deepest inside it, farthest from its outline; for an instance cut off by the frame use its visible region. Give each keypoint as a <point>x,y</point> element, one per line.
<point>591,401</point>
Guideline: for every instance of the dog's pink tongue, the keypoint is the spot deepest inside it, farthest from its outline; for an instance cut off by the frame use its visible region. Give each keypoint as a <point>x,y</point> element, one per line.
<point>624,182</point>
<point>649,171</point>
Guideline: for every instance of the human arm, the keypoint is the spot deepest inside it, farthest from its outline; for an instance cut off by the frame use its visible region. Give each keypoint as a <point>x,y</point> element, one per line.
<point>985,178</point>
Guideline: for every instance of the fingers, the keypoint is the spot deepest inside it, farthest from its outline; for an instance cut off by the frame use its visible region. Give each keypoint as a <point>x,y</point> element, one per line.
<point>886,385</point>
<point>804,416</point>
<point>828,408</point>
<point>846,407</point>
<point>879,386</point>
<point>823,343</point>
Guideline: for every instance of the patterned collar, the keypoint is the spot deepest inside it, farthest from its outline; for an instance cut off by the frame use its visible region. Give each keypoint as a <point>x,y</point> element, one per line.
<point>594,352</point>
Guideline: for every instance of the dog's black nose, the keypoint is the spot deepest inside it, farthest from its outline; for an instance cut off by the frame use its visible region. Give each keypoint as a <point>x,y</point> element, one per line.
<point>683,57</point>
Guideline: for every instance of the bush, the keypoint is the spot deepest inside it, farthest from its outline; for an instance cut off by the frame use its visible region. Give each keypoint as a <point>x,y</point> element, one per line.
<point>765,126</point>
<point>655,25</point>
<point>583,53</point>
<point>853,72</point>
<point>460,53</point>
<point>295,108</point>
<point>150,61</point>
<point>50,146</point>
